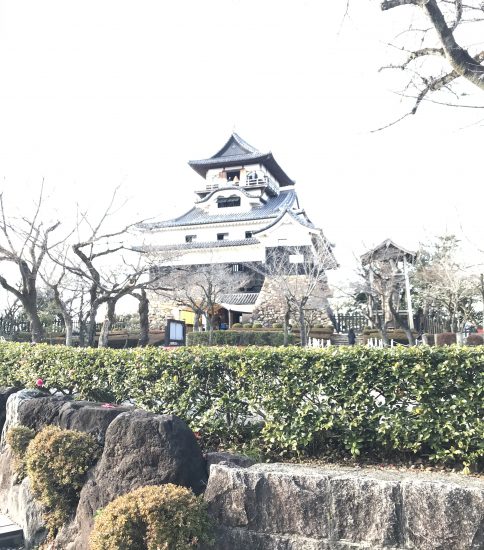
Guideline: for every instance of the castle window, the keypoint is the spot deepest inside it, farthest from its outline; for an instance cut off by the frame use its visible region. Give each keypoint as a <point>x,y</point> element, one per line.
<point>222,236</point>
<point>233,176</point>
<point>237,267</point>
<point>228,202</point>
<point>190,238</point>
<point>248,234</point>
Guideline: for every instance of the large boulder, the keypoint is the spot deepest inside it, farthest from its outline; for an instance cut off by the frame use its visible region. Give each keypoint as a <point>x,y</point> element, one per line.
<point>140,449</point>
<point>36,409</point>
<point>14,404</point>
<point>290,507</point>
<point>5,393</point>
<point>18,503</point>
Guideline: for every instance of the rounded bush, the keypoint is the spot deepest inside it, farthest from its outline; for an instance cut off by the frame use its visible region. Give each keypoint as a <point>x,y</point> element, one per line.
<point>247,325</point>
<point>236,325</point>
<point>19,438</point>
<point>152,518</point>
<point>475,340</point>
<point>57,462</point>
<point>257,325</point>
<point>445,339</point>
<point>277,325</point>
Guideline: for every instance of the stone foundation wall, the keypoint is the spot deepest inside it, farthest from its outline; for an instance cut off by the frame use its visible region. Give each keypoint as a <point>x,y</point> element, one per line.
<point>159,311</point>
<point>291,507</point>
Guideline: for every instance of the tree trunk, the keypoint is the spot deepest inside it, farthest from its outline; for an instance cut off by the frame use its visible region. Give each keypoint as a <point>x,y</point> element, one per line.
<point>400,322</point>
<point>36,328</point>
<point>287,316</point>
<point>91,326</point>
<point>209,317</point>
<point>66,316</point>
<point>69,329</point>
<point>144,322</point>
<point>302,328</point>
<point>108,321</point>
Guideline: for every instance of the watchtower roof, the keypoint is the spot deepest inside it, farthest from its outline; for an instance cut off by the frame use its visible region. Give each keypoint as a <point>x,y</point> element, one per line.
<point>387,250</point>
<point>236,152</point>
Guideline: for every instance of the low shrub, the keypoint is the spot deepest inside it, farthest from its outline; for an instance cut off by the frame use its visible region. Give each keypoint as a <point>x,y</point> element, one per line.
<point>152,518</point>
<point>57,462</point>
<point>19,438</point>
<point>237,338</point>
<point>236,325</point>
<point>277,325</point>
<point>475,340</point>
<point>422,401</point>
<point>257,325</point>
<point>445,339</point>
<point>247,325</point>
<point>430,339</point>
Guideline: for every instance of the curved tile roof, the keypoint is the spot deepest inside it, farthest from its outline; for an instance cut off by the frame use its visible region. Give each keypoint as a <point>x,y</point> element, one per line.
<point>207,244</point>
<point>273,208</point>
<point>238,152</point>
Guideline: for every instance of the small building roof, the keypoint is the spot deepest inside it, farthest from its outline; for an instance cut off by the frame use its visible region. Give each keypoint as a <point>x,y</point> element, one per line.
<point>239,298</point>
<point>387,250</point>
<point>238,152</point>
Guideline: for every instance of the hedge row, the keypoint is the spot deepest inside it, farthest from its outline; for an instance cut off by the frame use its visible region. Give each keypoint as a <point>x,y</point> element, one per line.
<point>425,401</point>
<point>238,338</point>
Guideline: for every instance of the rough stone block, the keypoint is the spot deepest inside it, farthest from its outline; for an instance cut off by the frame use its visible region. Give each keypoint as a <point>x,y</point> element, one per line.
<point>289,507</point>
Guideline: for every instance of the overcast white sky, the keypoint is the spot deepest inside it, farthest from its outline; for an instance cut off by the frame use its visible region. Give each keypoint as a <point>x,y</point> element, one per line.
<point>94,94</point>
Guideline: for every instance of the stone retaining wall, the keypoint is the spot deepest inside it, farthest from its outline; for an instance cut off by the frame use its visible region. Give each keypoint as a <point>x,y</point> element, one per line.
<point>291,507</point>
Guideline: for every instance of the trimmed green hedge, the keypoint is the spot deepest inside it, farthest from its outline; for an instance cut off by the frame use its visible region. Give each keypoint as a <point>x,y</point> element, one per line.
<point>238,338</point>
<point>423,401</point>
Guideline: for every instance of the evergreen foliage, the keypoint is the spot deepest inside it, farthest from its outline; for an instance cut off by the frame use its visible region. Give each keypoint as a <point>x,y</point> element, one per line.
<point>422,401</point>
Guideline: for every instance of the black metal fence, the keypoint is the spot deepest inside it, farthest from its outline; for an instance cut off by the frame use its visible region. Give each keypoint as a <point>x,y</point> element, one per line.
<point>422,323</point>
<point>351,320</point>
<point>10,326</point>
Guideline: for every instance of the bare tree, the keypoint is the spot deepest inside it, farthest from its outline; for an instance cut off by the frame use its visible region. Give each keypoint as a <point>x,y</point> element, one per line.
<point>143,312</point>
<point>445,286</point>
<point>25,242</point>
<point>68,291</point>
<point>200,288</point>
<point>442,49</point>
<point>108,280</point>
<point>299,275</point>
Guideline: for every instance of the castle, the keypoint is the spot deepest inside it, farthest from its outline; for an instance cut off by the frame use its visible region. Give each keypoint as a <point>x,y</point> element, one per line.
<point>246,208</point>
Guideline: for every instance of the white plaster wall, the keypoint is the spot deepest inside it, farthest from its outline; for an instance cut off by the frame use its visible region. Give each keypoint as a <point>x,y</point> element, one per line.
<point>287,232</point>
<point>226,254</point>
<point>204,233</point>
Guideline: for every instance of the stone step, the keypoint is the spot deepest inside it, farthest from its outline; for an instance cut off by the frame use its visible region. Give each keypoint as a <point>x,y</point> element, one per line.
<point>339,340</point>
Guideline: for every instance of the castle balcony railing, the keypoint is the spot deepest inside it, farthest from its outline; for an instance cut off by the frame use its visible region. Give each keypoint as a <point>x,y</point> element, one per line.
<point>250,181</point>
<point>264,181</point>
